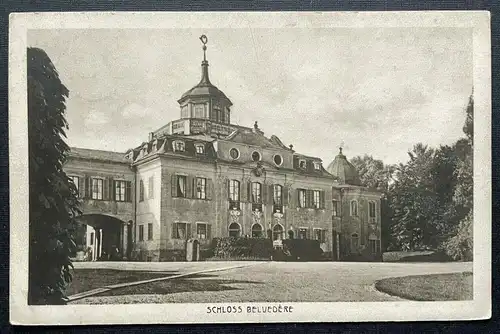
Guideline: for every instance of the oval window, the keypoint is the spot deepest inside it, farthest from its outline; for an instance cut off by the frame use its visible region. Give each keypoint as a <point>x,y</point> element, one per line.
<point>256,156</point>
<point>278,160</point>
<point>234,153</point>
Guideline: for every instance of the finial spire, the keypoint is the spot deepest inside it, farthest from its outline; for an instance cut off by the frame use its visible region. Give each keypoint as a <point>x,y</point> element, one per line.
<point>204,40</point>
<point>340,147</point>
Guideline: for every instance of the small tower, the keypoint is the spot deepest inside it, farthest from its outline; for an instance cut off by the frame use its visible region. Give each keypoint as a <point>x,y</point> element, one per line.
<point>205,101</point>
<point>341,168</point>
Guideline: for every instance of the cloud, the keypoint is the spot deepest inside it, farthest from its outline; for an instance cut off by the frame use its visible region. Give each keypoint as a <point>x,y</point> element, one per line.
<point>95,117</point>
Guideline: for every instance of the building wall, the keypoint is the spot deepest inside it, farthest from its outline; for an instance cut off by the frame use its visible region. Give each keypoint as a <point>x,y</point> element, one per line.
<point>148,210</point>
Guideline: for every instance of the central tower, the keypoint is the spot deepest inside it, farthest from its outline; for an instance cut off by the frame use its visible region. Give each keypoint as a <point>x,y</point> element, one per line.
<point>205,101</point>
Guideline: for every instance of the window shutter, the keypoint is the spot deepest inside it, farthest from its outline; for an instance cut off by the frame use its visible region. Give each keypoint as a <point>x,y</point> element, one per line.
<point>249,191</point>
<point>322,199</point>
<point>81,187</point>
<point>243,192</point>
<point>87,187</point>
<point>189,186</point>
<point>270,194</point>
<point>105,185</point>
<point>174,228</point>
<point>209,231</point>
<point>128,191</point>
<point>227,183</point>
<point>308,233</point>
<point>188,231</point>
<point>174,185</point>
<point>285,195</point>
<point>210,189</point>
<point>111,189</point>
<point>323,236</point>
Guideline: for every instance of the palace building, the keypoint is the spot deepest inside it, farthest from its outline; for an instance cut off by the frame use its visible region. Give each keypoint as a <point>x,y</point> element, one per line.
<point>200,177</point>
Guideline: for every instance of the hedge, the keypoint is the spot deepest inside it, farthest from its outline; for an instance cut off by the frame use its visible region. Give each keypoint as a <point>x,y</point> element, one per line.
<point>302,249</point>
<point>230,247</point>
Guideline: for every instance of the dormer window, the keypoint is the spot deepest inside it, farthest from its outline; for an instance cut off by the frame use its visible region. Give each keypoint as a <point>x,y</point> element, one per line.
<point>200,148</point>
<point>302,164</point>
<point>317,166</point>
<point>178,146</point>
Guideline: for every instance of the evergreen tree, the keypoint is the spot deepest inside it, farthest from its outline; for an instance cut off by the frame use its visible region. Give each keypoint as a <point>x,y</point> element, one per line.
<point>53,201</point>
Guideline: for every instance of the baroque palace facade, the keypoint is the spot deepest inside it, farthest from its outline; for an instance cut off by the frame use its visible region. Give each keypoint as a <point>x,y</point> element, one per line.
<point>200,177</point>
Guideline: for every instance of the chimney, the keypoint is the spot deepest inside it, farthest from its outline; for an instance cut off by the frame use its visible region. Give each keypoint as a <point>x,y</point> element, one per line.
<point>151,136</point>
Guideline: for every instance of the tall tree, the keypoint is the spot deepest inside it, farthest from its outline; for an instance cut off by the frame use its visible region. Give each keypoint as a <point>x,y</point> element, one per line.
<point>53,201</point>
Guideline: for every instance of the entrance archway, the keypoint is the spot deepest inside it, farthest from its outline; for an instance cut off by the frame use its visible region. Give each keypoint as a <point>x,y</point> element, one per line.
<point>101,237</point>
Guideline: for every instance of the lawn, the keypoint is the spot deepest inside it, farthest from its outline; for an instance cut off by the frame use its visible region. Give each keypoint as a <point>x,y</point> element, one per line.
<point>88,279</point>
<point>442,287</point>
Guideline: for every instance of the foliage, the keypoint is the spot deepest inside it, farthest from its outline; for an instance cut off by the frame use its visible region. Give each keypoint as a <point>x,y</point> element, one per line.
<point>303,249</point>
<point>460,245</point>
<point>53,201</point>
<point>229,247</point>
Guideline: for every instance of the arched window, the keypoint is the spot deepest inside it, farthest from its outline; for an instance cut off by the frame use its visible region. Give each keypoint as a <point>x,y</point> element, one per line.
<point>234,230</point>
<point>277,232</point>
<point>354,243</point>
<point>257,231</point>
<point>354,208</point>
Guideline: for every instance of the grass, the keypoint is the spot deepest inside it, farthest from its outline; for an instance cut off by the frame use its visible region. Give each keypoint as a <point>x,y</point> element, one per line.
<point>88,279</point>
<point>192,283</point>
<point>442,287</point>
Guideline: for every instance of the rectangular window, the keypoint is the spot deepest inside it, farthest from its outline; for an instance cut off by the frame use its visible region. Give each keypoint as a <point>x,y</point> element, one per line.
<point>76,181</point>
<point>335,208</point>
<point>303,233</point>
<point>256,192</point>
<point>354,208</point>
<point>200,149</point>
<point>181,185</point>
<point>278,194</point>
<point>201,188</point>
<point>97,188</point>
<point>141,191</point>
<point>202,231</point>
<point>320,235</point>
<point>371,210</point>
<point>185,112</point>
<point>179,231</point>
<point>316,199</point>
<point>151,189</point>
<point>141,232</point>
<point>317,166</point>
<point>120,187</point>
<point>234,194</point>
<point>179,146</point>
<point>199,111</point>
<point>150,231</point>
<point>302,198</point>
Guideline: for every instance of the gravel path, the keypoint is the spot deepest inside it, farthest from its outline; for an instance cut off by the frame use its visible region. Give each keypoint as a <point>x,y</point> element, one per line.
<point>287,281</point>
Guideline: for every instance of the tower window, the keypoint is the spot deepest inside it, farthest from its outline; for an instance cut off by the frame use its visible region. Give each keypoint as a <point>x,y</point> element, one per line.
<point>256,156</point>
<point>199,111</point>
<point>302,164</point>
<point>179,146</point>
<point>200,149</point>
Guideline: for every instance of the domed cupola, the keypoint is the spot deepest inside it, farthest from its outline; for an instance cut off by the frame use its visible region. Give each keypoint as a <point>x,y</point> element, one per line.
<point>344,170</point>
<point>205,101</point>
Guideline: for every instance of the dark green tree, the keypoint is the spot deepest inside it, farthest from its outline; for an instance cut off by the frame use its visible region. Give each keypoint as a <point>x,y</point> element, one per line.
<point>53,201</point>
<point>460,244</point>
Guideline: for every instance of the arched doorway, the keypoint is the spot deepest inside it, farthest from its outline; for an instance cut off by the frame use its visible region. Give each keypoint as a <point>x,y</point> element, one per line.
<point>257,231</point>
<point>102,239</point>
<point>277,232</point>
<point>234,230</point>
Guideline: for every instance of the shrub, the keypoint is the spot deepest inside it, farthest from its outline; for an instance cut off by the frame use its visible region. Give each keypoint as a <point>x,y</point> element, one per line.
<point>229,247</point>
<point>460,246</point>
<point>303,249</point>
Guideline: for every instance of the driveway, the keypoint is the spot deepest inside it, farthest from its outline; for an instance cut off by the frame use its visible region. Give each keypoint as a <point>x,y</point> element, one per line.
<point>277,282</point>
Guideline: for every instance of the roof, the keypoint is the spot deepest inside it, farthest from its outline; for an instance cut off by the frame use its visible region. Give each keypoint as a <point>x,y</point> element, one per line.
<point>85,153</point>
<point>255,138</point>
<point>344,170</point>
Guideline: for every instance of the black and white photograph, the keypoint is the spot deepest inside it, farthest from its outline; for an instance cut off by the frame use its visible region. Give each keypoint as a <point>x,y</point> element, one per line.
<point>249,167</point>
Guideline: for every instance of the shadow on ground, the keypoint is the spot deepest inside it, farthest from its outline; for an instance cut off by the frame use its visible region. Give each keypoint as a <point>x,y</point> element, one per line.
<point>192,283</point>
<point>88,279</point>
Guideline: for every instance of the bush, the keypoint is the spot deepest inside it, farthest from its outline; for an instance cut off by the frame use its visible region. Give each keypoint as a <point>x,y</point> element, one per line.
<point>303,249</point>
<point>460,246</point>
<point>230,247</point>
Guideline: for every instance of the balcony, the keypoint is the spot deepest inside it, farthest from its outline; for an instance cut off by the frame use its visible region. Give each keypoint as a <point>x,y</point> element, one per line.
<point>277,208</point>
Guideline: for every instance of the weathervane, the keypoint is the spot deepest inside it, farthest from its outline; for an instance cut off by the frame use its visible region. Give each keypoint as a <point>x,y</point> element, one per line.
<point>341,146</point>
<point>204,40</point>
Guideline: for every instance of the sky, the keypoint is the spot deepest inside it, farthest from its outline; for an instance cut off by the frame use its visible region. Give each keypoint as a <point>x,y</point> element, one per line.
<point>378,91</point>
